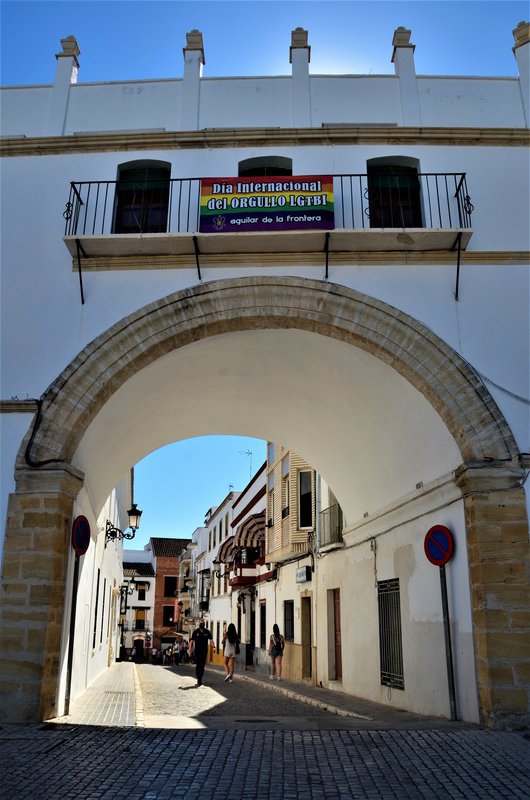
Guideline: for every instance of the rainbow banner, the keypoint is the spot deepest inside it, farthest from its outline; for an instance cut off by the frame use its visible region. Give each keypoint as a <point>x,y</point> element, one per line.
<point>236,205</point>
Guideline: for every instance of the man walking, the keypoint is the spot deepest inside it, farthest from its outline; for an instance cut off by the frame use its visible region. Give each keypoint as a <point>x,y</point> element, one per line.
<point>200,638</point>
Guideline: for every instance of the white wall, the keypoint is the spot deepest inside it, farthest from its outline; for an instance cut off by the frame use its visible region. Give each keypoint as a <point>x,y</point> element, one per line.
<point>91,658</point>
<point>40,339</point>
<point>399,538</point>
<point>259,101</point>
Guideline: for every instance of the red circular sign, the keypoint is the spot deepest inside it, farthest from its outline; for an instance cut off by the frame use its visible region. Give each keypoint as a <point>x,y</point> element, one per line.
<point>439,545</point>
<point>80,535</point>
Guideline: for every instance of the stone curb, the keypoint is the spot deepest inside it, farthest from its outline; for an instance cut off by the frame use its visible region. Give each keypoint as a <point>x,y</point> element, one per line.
<point>139,718</point>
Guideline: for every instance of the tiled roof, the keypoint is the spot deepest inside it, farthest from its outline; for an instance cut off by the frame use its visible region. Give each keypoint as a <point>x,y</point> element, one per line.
<point>168,548</point>
<point>131,569</point>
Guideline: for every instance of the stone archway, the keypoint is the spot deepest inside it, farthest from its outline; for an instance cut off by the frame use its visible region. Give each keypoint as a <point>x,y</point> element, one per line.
<point>47,483</point>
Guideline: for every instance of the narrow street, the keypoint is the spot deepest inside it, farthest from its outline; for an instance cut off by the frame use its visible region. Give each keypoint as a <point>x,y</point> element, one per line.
<point>252,702</point>
<point>146,733</point>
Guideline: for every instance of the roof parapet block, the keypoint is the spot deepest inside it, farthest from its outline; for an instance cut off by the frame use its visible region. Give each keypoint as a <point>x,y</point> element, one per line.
<point>402,39</point>
<point>299,41</point>
<point>521,34</point>
<point>70,49</point>
<point>194,42</point>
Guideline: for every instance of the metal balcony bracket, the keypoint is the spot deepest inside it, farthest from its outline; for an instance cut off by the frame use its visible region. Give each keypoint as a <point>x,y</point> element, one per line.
<point>197,254</point>
<point>79,250</point>
<point>457,246</point>
<point>326,250</point>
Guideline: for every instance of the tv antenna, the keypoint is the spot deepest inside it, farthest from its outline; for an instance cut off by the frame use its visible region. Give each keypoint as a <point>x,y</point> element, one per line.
<point>247,453</point>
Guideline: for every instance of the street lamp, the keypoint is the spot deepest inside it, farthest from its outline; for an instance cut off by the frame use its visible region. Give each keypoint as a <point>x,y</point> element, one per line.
<point>125,590</point>
<point>112,533</point>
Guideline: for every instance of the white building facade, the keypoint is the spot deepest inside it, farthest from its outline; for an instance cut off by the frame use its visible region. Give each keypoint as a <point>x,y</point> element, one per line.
<point>378,326</point>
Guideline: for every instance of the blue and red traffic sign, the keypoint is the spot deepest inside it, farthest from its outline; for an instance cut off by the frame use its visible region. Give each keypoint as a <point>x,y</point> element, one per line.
<point>439,545</point>
<point>80,535</point>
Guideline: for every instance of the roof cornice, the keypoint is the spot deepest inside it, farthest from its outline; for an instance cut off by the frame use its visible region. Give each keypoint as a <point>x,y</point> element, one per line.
<point>261,137</point>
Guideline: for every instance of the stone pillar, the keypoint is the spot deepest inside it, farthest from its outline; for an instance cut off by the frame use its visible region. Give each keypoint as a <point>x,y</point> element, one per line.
<point>521,51</point>
<point>37,544</point>
<point>403,60</point>
<point>299,57</point>
<point>498,553</point>
<point>191,84</point>
<point>65,75</point>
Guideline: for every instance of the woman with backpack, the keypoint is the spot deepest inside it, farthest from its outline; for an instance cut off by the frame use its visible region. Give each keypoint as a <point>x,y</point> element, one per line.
<point>276,648</point>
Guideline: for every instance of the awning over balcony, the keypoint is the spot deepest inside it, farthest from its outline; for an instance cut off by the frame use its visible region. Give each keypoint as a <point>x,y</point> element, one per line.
<point>251,532</point>
<point>225,554</point>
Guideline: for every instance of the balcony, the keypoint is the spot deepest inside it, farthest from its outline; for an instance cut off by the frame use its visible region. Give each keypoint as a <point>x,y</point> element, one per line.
<point>136,625</point>
<point>371,213</point>
<point>330,526</point>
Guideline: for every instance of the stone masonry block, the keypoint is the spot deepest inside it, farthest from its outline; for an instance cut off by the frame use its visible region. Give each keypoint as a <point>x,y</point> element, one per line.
<point>12,566</point>
<point>39,594</point>
<point>486,619</point>
<point>45,567</point>
<point>52,541</point>
<point>509,596</point>
<point>493,572</point>
<point>26,670</point>
<point>500,551</point>
<point>522,674</point>
<point>492,511</point>
<point>503,701</point>
<point>497,674</point>
<point>520,619</point>
<point>515,531</point>
<point>42,519</point>
<point>504,645</point>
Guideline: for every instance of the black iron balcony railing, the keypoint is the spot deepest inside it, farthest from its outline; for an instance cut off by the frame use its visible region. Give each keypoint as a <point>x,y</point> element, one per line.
<point>380,200</point>
<point>331,525</point>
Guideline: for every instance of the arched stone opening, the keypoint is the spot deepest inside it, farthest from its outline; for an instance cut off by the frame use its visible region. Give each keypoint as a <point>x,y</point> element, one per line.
<point>489,475</point>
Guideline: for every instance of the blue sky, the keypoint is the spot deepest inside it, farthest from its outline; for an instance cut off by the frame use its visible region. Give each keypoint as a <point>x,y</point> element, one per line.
<point>136,39</point>
<point>176,485</point>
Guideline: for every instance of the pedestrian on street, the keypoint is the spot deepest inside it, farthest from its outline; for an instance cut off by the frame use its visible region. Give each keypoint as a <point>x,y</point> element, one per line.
<point>182,653</point>
<point>230,650</point>
<point>276,648</point>
<point>199,642</point>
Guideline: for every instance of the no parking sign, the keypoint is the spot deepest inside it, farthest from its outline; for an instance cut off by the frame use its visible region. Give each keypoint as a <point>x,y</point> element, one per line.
<point>80,535</point>
<point>439,545</point>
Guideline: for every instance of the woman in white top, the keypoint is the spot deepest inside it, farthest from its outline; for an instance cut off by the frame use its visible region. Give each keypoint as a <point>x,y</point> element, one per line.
<point>230,650</point>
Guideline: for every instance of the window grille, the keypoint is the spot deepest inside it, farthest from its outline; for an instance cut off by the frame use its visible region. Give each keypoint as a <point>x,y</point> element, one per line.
<point>288,619</point>
<point>331,525</point>
<point>390,641</point>
<point>263,625</point>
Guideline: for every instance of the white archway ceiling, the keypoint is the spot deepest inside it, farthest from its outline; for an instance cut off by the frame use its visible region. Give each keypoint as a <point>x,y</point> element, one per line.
<point>370,434</point>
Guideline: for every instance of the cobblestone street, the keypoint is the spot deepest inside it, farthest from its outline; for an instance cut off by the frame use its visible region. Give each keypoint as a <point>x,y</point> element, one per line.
<point>254,740</point>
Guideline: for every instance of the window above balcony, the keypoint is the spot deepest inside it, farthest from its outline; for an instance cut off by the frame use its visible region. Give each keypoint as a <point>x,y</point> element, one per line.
<point>390,208</point>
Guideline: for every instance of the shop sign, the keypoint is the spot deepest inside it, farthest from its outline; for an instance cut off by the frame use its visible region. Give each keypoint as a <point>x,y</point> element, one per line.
<point>303,574</point>
<point>230,205</point>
